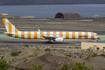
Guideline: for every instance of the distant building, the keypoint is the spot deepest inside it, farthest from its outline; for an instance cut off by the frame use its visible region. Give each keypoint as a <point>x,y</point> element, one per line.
<point>27,17</point>
<point>96,16</point>
<point>67,15</point>
<point>4,14</point>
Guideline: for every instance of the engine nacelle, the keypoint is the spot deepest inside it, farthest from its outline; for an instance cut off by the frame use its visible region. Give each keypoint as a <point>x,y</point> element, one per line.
<point>58,39</point>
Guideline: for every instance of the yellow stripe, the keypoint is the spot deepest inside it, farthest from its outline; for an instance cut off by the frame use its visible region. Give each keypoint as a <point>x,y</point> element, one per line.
<point>41,37</point>
<point>86,35</point>
<point>54,34</point>
<point>22,34</point>
<point>79,35</point>
<point>48,33</point>
<point>73,35</point>
<point>16,33</point>
<point>60,34</point>
<point>67,35</point>
<point>3,20</point>
<point>92,35</point>
<point>35,35</point>
<point>29,35</point>
<point>10,27</point>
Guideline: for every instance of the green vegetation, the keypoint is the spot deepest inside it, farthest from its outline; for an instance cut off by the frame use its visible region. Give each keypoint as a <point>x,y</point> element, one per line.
<point>69,55</point>
<point>54,49</point>
<point>90,52</point>
<point>3,64</point>
<point>80,66</point>
<point>35,67</point>
<point>52,68</point>
<point>103,53</point>
<point>48,50</point>
<point>77,66</point>
<point>15,52</point>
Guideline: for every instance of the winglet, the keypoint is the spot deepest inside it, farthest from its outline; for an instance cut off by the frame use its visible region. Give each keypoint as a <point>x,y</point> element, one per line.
<point>40,32</point>
<point>38,29</point>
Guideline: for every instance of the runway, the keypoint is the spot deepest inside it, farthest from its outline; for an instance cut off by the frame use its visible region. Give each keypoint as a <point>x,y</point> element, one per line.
<point>39,42</point>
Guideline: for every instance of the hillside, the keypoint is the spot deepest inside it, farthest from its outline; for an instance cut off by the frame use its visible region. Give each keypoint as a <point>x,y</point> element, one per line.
<point>27,2</point>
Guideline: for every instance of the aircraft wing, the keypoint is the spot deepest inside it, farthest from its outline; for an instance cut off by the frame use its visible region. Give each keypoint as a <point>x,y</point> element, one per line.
<point>46,37</point>
<point>49,37</point>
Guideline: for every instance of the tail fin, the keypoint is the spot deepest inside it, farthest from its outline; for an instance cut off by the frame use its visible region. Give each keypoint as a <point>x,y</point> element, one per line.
<point>9,27</point>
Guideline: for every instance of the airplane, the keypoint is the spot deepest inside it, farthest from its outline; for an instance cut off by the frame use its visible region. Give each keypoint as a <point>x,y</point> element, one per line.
<point>55,36</point>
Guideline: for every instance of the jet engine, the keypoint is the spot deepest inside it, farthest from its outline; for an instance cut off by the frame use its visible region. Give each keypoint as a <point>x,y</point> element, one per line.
<point>58,39</point>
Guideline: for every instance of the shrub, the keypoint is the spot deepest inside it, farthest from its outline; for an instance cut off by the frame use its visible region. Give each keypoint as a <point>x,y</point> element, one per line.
<point>90,53</point>
<point>54,49</point>
<point>52,68</point>
<point>26,45</point>
<point>69,55</point>
<point>80,66</point>
<point>3,64</point>
<point>48,50</point>
<point>77,66</point>
<point>103,53</point>
<point>20,68</point>
<point>65,67</point>
<point>15,52</point>
<point>35,67</point>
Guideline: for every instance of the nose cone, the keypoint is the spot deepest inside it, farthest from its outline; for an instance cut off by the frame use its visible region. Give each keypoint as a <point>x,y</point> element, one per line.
<point>98,37</point>
<point>4,34</point>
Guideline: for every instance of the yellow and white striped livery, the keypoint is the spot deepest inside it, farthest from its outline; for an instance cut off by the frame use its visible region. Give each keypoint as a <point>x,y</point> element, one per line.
<point>50,35</point>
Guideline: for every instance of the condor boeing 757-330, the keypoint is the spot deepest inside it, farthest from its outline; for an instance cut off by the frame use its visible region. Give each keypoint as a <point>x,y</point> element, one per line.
<point>56,36</point>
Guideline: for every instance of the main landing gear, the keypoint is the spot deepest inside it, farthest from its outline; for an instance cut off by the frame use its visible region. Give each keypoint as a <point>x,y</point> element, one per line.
<point>49,41</point>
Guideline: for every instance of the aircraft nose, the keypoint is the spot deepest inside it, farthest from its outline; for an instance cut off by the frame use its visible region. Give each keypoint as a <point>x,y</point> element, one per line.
<point>98,37</point>
<point>4,34</point>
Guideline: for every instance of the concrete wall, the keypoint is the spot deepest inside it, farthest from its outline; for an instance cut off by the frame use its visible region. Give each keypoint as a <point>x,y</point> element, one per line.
<point>27,17</point>
<point>86,45</point>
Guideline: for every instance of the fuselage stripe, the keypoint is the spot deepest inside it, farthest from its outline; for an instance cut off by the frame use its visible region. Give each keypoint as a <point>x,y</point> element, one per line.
<point>29,35</point>
<point>67,35</point>
<point>60,34</point>
<point>22,34</point>
<point>41,37</point>
<point>79,35</point>
<point>86,35</point>
<point>54,34</point>
<point>35,35</point>
<point>73,35</point>
<point>92,35</point>
<point>48,33</point>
